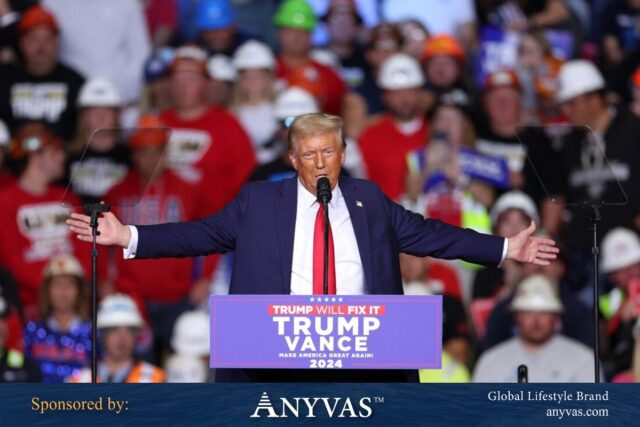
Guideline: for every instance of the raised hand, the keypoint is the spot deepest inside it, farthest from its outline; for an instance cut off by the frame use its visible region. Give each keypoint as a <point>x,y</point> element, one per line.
<point>112,232</point>
<point>536,250</point>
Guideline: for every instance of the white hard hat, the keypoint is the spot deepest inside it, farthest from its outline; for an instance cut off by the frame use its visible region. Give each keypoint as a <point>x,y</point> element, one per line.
<point>64,264</point>
<point>253,54</point>
<point>119,310</point>
<point>400,71</point>
<point>182,368</point>
<point>620,249</point>
<point>4,134</point>
<point>514,200</point>
<point>219,67</point>
<point>536,293</point>
<point>191,334</point>
<point>294,102</point>
<point>576,78</point>
<point>99,92</point>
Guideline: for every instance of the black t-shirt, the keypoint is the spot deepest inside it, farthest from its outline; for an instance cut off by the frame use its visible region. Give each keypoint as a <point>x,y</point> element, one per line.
<point>50,99</point>
<point>354,69</point>
<point>97,172</point>
<point>530,154</point>
<point>590,178</point>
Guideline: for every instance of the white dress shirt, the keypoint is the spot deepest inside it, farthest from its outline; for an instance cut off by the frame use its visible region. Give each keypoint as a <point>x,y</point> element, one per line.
<point>349,272</point>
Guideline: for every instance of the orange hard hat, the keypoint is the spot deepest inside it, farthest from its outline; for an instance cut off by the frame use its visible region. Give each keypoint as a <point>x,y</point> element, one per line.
<point>37,16</point>
<point>443,45</point>
<point>151,132</point>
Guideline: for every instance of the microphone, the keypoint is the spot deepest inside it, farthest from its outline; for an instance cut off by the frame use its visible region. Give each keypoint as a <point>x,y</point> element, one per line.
<point>523,374</point>
<point>323,190</point>
<point>323,193</point>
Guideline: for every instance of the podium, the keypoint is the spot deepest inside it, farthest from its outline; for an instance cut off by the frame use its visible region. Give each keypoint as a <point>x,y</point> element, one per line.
<point>326,333</point>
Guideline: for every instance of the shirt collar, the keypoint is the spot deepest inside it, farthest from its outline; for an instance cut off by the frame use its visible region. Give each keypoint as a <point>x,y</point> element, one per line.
<point>307,200</point>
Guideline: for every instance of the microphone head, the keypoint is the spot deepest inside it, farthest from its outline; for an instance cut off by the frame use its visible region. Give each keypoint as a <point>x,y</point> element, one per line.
<point>323,190</point>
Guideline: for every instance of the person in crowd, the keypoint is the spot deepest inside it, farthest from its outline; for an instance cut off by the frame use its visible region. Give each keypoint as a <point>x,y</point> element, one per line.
<point>599,157</point>
<point>443,60</point>
<point>98,159</point>
<point>119,322</point>
<point>532,162</point>
<point>620,34</point>
<point>455,330</point>
<point>185,369</point>
<point>40,88</point>
<point>216,26</point>
<point>156,95</point>
<point>290,103</point>
<point>208,146</point>
<point>386,143</point>
<point>511,213</point>
<point>253,97</point>
<point>575,319</point>
<point>152,194</point>
<point>60,341</point>
<point>222,77</point>
<point>548,355</point>
<point>10,13</point>
<point>444,179</point>
<point>414,36</point>
<point>114,46</point>
<point>190,339</point>
<point>344,25</point>
<point>33,215</point>
<point>295,21</point>
<point>621,264</point>
<point>14,366</point>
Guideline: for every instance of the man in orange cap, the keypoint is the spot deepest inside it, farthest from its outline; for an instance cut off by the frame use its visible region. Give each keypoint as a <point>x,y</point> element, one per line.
<point>443,60</point>
<point>152,194</point>
<point>32,214</point>
<point>41,87</point>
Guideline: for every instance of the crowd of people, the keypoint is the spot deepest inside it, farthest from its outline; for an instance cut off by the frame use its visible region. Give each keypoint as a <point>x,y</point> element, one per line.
<point>485,114</point>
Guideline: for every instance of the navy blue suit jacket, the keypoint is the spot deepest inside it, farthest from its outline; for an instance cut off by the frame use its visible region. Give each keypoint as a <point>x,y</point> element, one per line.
<point>259,226</point>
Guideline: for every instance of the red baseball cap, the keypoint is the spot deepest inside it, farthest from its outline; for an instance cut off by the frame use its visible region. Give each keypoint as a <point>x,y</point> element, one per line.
<point>30,139</point>
<point>35,17</point>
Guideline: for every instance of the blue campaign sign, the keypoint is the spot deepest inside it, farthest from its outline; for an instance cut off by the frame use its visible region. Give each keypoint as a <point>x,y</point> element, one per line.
<point>326,332</point>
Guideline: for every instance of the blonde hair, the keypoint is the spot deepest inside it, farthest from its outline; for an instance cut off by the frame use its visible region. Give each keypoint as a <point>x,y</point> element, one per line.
<point>314,124</point>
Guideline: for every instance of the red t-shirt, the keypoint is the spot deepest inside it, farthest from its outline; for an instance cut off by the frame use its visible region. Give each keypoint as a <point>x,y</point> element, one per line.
<point>384,150</point>
<point>169,199</point>
<point>212,151</point>
<point>34,230</point>
<point>331,86</point>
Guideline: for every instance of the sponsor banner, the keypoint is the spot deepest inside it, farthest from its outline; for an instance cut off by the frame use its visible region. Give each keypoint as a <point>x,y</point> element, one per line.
<point>326,332</point>
<point>235,405</point>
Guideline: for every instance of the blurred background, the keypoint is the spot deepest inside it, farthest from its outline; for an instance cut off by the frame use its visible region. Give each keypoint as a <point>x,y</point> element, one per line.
<point>486,114</point>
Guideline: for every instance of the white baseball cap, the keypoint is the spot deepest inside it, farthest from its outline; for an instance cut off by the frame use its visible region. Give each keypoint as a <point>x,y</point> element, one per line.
<point>620,249</point>
<point>64,264</point>
<point>253,54</point>
<point>99,92</point>
<point>536,293</point>
<point>514,200</point>
<point>576,78</point>
<point>400,71</point>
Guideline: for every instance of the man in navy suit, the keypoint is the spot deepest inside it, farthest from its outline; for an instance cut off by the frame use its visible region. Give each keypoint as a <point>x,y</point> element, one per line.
<point>270,227</point>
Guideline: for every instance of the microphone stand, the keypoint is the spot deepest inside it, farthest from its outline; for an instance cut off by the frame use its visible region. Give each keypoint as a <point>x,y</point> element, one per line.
<point>523,374</point>
<point>325,208</point>
<point>595,250</point>
<point>93,209</point>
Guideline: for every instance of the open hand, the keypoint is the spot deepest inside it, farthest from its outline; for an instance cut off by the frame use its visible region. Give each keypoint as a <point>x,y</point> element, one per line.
<point>111,230</point>
<point>536,250</point>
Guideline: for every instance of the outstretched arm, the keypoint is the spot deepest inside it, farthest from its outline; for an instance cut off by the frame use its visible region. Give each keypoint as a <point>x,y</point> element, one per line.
<point>112,231</point>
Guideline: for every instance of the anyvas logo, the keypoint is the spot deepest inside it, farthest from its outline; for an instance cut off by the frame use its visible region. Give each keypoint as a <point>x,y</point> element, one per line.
<point>310,406</point>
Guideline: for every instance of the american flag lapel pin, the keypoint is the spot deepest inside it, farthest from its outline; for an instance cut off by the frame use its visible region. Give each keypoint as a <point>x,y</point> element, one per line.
<point>359,203</point>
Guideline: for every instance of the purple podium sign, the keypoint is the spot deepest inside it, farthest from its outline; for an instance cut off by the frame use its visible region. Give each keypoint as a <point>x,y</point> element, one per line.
<point>332,332</point>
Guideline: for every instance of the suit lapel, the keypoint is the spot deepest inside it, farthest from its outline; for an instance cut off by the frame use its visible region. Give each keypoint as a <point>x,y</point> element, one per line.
<point>285,207</point>
<point>360,224</point>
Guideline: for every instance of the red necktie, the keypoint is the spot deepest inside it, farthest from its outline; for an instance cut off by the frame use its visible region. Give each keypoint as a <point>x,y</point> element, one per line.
<point>318,257</point>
